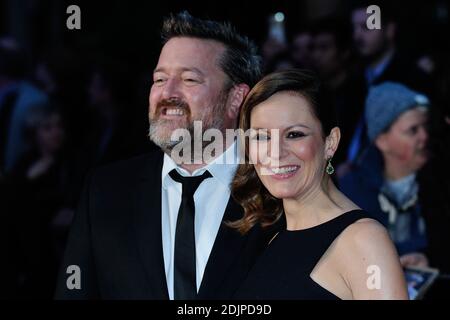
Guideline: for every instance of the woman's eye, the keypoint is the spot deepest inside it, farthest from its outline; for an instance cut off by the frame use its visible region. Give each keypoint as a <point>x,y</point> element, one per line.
<point>295,134</point>
<point>413,130</point>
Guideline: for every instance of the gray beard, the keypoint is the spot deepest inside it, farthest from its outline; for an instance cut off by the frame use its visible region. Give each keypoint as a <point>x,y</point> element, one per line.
<point>167,145</point>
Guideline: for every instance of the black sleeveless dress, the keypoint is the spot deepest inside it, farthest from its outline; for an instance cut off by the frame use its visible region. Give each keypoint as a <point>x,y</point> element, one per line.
<point>283,269</point>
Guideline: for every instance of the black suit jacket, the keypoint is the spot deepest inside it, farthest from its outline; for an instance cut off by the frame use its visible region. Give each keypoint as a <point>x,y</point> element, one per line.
<point>116,239</point>
<point>404,70</point>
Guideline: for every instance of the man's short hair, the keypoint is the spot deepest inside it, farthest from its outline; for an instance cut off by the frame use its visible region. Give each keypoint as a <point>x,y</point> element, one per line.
<point>240,62</point>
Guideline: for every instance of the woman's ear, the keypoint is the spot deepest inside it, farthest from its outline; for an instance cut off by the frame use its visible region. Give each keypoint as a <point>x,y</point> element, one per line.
<point>237,96</point>
<point>332,142</point>
<point>381,142</point>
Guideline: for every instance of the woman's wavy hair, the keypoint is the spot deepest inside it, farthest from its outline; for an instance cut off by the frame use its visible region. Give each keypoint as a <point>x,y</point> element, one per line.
<point>246,188</point>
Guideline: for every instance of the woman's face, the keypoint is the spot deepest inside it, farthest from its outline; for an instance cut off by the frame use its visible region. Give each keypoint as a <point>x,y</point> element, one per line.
<point>299,166</point>
<point>406,140</point>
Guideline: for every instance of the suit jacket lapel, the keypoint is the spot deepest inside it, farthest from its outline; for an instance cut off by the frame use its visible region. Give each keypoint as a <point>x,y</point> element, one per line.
<point>231,257</point>
<point>147,222</point>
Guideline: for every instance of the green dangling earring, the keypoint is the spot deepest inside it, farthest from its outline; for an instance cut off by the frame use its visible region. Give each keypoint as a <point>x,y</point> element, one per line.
<point>329,169</point>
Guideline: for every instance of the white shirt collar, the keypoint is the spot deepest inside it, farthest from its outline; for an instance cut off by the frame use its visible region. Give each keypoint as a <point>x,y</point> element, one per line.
<point>219,168</point>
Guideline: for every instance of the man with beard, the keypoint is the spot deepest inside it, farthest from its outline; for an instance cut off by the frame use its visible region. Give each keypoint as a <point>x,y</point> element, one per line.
<point>152,228</point>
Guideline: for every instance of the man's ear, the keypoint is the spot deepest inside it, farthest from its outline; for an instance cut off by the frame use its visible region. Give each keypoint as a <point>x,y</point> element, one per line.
<point>332,142</point>
<point>237,96</point>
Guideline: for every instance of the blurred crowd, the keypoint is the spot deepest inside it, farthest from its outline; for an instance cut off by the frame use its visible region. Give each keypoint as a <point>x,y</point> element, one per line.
<point>58,121</point>
<point>61,116</point>
<point>394,114</point>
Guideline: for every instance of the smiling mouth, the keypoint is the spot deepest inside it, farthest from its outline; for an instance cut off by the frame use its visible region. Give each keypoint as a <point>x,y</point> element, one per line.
<point>173,111</point>
<point>282,172</point>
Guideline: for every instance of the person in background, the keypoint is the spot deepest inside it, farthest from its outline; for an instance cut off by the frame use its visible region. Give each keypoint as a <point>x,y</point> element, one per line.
<point>435,187</point>
<point>384,181</point>
<point>18,97</point>
<point>38,208</point>
<point>381,60</point>
<point>111,131</point>
<point>332,56</point>
<point>275,44</point>
<point>62,74</point>
<point>301,48</point>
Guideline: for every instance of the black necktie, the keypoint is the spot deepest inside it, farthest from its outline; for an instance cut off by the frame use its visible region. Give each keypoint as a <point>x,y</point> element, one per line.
<point>185,285</point>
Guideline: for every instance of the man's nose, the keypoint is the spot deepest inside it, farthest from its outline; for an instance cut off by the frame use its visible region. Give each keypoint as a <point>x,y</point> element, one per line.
<point>171,89</point>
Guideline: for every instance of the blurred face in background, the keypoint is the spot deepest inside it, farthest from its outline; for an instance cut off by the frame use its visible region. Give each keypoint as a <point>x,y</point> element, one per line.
<point>301,49</point>
<point>50,134</point>
<point>271,48</point>
<point>405,141</point>
<point>188,85</point>
<point>370,43</point>
<point>328,60</point>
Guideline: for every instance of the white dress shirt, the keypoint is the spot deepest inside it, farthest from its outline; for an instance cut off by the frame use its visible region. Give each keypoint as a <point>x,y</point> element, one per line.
<point>211,199</point>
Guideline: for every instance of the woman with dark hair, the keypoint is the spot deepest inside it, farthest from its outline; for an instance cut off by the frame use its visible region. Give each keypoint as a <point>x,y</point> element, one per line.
<point>329,248</point>
<point>38,208</point>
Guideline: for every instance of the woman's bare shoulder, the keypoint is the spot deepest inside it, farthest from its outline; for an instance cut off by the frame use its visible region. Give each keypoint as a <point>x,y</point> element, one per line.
<point>366,243</point>
<point>365,236</point>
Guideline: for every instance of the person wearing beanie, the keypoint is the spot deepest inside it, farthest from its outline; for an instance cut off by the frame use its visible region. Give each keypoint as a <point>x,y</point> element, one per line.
<point>383,181</point>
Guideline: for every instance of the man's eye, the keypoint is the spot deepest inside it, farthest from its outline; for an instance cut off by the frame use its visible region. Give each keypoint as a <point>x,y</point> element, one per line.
<point>295,134</point>
<point>158,81</point>
<point>190,80</point>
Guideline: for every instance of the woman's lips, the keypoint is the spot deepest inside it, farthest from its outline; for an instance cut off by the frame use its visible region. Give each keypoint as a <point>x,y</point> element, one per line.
<point>282,172</point>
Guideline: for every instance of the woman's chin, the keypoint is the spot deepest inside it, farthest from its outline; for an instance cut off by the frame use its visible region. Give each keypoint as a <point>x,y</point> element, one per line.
<point>281,193</point>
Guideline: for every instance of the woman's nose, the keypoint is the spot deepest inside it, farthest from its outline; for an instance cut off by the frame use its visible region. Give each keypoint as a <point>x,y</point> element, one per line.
<point>423,134</point>
<point>284,149</point>
<point>277,150</point>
